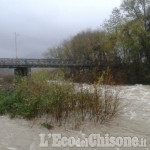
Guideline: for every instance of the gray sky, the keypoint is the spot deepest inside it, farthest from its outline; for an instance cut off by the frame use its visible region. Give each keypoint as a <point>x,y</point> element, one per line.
<point>42,24</point>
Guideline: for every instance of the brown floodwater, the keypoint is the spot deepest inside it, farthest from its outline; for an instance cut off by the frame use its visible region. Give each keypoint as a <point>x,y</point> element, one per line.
<point>132,120</point>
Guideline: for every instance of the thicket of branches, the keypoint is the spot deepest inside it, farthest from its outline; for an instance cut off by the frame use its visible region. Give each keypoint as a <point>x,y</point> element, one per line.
<point>123,41</point>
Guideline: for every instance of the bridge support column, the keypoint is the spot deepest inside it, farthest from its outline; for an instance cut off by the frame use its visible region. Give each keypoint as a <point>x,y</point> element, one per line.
<point>22,71</point>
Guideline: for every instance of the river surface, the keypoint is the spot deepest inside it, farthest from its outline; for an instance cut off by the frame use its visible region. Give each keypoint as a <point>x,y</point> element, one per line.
<point>132,120</point>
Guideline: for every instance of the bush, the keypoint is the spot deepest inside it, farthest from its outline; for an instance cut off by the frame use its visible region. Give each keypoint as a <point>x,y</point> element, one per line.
<point>61,101</point>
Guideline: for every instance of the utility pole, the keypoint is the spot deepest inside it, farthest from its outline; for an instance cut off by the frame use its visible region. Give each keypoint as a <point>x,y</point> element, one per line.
<point>16,45</point>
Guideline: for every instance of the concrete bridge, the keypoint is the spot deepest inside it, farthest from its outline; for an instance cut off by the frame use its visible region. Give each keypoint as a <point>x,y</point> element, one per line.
<point>23,66</point>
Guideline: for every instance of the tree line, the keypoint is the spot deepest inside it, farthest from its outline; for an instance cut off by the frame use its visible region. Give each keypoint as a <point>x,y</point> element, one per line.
<point>122,43</point>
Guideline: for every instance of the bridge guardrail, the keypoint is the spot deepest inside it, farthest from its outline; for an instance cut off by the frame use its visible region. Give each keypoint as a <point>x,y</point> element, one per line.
<point>13,63</point>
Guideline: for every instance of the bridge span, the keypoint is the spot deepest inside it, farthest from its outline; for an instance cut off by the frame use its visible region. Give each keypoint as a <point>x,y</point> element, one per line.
<point>23,66</point>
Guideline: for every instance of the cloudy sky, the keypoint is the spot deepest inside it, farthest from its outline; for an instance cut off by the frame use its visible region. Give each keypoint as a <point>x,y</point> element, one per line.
<point>41,24</point>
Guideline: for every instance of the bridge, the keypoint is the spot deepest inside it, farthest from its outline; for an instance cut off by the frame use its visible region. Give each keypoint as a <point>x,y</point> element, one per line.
<point>23,66</point>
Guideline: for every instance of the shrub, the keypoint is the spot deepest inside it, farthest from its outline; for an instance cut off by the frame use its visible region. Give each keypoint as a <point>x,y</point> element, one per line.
<point>61,101</point>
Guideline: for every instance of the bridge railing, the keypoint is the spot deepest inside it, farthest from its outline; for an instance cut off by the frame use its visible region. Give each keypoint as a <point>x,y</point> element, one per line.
<point>13,63</point>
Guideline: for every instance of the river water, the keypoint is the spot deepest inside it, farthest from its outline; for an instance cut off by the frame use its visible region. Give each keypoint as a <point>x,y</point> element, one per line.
<point>132,120</point>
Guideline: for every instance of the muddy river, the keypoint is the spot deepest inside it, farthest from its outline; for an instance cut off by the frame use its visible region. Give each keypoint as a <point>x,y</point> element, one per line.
<point>133,120</point>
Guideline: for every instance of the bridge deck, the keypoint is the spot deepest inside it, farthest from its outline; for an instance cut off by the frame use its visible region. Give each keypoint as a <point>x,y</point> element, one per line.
<point>41,63</point>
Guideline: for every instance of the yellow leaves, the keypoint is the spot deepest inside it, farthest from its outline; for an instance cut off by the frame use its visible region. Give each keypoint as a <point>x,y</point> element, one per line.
<point>106,78</point>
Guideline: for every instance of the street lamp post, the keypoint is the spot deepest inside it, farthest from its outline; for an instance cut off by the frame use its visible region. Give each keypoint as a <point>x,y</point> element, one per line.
<point>16,45</point>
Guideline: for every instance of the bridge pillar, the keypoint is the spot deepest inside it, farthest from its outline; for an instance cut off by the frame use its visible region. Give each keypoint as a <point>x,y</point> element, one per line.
<point>22,71</point>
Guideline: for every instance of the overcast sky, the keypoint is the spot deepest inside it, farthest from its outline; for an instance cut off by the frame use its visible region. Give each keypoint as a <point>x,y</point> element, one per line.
<point>42,24</point>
